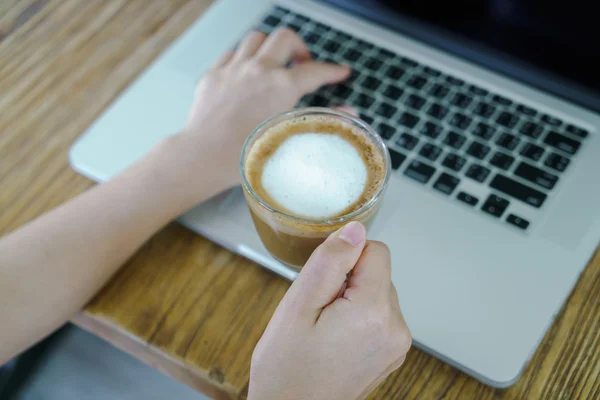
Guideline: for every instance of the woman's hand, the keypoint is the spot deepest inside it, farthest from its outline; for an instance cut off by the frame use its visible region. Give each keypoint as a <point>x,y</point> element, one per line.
<point>246,87</point>
<point>331,338</point>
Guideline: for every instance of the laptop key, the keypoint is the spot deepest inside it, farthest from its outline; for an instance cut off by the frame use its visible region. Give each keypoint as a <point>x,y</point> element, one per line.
<point>526,110</point>
<point>431,130</point>
<point>393,92</point>
<point>495,205</point>
<point>414,101</point>
<point>373,64</point>
<point>301,19</point>
<point>408,120</point>
<point>331,46</point>
<point>364,100</point>
<point>550,120</point>
<point>430,151</point>
<point>557,162</point>
<point>455,140</point>
<point>437,110</point>
<point>386,131</point>
<point>342,37</point>
<point>323,27</point>
<point>532,151</point>
<point>478,150</point>
<point>439,91</point>
<point>371,83</point>
<point>477,90</point>
<point>508,141</point>
<point>460,121</point>
<point>409,62</point>
<point>416,81</point>
<point>362,45</point>
<point>572,129</point>
<point>536,175</point>
<point>502,100</point>
<point>562,142</point>
<point>455,81</point>
<point>446,183</point>
<point>395,72</point>
<point>483,131</point>
<point>386,110</point>
<point>454,162</point>
<point>383,53</point>
<point>272,21</point>
<point>517,221</point>
<point>407,141</point>
<point>396,159</point>
<point>502,161</point>
<point>367,118</point>
<point>432,71</point>
<point>352,55</point>
<point>461,100</point>
<point>531,129</point>
<point>519,191</point>
<point>419,171</point>
<point>467,198</point>
<point>282,10</point>
<point>484,109</point>
<point>342,90</point>
<point>507,119</point>
<point>478,172</point>
<point>311,38</point>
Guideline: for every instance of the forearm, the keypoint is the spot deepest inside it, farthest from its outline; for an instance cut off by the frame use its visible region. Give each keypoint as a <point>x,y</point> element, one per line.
<point>52,266</point>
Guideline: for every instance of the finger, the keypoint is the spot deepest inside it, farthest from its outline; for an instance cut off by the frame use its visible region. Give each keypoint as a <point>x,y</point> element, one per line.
<point>320,281</point>
<point>224,59</point>
<point>283,46</point>
<point>311,75</point>
<point>371,277</point>
<point>249,45</point>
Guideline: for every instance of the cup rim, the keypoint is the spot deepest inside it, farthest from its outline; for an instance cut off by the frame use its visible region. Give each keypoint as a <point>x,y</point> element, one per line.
<point>318,111</point>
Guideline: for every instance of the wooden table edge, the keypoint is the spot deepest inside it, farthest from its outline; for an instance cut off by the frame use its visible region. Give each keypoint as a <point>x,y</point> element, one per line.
<point>154,357</point>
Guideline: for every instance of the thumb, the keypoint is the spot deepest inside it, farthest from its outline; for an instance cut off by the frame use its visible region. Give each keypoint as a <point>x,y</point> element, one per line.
<point>311,75</point>
<point>321,279</point>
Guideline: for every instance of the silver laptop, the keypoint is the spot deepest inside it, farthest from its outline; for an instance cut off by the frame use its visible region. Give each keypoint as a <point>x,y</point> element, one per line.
<point>493,209</point>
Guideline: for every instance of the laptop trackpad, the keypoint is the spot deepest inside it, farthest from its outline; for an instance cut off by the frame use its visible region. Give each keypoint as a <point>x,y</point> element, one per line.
<point>575,212</point>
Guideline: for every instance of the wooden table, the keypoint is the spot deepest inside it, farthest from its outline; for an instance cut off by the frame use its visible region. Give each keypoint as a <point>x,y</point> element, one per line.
<point>182,303</point>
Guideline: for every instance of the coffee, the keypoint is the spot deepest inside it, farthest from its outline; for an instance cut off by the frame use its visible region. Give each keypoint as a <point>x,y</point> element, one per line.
<point>310,174</point>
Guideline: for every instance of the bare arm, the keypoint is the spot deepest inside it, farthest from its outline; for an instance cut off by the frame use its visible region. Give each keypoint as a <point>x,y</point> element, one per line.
<point>52,266</point>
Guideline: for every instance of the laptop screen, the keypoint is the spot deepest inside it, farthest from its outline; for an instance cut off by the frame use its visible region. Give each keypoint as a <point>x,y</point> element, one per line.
<point>546,43</point>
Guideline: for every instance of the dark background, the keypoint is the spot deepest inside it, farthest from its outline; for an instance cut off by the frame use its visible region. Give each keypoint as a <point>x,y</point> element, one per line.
<point>556,39</point>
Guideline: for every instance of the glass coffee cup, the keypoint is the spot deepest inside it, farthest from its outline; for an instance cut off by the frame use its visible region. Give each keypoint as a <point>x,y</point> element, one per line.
<point>290,237</point>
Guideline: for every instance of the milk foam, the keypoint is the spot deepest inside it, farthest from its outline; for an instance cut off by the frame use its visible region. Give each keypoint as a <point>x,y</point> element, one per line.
<point>315,175</point>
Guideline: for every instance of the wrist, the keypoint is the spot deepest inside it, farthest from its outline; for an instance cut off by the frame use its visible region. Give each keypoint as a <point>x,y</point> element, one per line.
<point>197,168</point>
<point>178,172</point>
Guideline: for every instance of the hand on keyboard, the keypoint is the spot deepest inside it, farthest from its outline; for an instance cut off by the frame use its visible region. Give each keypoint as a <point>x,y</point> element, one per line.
<point>248,86</point>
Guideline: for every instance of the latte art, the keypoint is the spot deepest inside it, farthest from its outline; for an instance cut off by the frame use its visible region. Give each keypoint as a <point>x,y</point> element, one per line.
<point>315,175</point>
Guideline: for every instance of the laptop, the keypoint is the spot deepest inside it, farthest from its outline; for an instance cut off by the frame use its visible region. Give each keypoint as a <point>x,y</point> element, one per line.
<point>490,113</point>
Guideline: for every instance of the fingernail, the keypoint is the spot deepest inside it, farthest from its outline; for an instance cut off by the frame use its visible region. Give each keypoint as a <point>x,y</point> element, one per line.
<point>353,233</point>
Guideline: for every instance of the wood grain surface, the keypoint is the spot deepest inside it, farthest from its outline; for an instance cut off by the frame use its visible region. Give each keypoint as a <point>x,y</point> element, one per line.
<point>182,303</point>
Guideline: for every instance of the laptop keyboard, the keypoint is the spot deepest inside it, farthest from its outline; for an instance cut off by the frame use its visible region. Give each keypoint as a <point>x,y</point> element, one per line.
<point>441,130</point>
